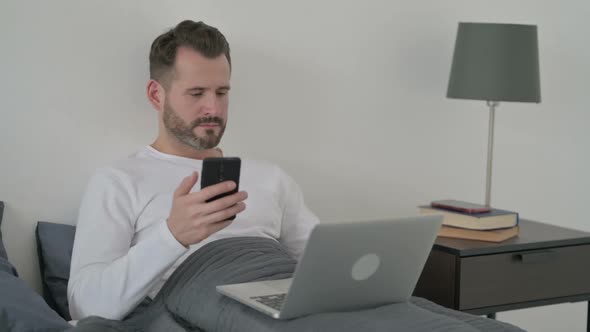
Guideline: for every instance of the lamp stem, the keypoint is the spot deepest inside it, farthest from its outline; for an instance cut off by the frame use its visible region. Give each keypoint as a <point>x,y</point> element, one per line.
<point>492,105</point>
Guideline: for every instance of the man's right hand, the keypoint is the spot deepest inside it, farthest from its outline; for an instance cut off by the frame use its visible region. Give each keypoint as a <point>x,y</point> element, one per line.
<point>192,220</point>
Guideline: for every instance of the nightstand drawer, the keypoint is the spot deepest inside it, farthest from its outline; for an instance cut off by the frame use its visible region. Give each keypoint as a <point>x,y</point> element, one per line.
<point>499,279</point>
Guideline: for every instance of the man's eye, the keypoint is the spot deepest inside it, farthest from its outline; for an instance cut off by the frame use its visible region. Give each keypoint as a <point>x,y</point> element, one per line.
<point>198,94</point>
<point>221,93</point>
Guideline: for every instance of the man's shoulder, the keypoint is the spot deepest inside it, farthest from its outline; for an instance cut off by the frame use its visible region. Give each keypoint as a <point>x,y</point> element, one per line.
<point>264,170</point>
<point>260,166</point>
<point>126,167</point>
<point>259,163</point>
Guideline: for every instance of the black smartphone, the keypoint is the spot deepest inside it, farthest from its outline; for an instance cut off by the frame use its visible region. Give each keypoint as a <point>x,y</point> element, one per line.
<point>216,170</point>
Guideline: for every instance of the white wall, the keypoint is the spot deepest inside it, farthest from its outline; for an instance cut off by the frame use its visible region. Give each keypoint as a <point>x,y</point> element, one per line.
<point>348,96</point>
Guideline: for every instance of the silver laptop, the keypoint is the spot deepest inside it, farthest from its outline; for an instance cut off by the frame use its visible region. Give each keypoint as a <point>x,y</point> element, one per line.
<point>347,266</point>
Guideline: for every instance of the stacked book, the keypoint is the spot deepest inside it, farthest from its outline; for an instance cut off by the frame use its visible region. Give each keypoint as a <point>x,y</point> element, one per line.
<point>465,220</point>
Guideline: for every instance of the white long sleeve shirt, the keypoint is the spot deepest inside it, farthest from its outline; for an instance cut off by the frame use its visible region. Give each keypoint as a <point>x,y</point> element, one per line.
<point>124,250</point>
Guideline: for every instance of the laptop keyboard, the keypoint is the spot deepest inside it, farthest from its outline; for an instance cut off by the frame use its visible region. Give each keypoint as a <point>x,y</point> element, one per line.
<point>274,301</point>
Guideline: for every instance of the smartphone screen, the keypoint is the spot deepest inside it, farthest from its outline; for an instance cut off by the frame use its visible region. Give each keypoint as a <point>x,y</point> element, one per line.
<point>216,170</point>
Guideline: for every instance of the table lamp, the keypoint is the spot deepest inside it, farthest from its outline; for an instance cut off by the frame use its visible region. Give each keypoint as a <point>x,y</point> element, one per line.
<point>495,62</point>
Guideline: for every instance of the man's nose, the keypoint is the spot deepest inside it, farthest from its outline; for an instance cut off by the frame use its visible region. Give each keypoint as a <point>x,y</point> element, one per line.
<point>211,104</point>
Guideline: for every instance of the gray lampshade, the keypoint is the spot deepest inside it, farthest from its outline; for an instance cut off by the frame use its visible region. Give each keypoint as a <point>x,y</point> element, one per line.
<point>495,62</point>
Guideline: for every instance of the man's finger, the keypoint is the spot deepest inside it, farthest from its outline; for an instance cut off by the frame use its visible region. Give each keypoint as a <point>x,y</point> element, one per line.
<point>186,185</point>
<point>224,214</point>
<point>225,202</point>
<point>214,190</point>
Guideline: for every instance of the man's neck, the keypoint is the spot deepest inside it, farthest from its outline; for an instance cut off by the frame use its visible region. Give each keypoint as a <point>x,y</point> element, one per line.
<point>178,149</point>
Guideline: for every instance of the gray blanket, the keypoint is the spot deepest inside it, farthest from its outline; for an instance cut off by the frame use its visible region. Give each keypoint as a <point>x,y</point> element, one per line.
<point>189,301</point>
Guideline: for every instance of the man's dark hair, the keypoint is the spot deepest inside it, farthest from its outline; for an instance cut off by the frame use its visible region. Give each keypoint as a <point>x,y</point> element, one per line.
<point>205,39</point>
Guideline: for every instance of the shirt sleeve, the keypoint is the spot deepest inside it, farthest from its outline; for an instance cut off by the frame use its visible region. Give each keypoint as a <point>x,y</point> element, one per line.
<point>109,276</point>
<point>298,220</point>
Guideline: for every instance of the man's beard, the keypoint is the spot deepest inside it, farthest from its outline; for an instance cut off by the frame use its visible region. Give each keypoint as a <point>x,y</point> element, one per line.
<point>185,132</point>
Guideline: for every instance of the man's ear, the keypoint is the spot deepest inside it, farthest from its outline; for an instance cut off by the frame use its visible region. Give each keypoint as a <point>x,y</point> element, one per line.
<point>156,94</point>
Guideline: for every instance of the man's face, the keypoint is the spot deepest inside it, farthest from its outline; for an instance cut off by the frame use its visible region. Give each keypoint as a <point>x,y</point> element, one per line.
<point>196,102</point>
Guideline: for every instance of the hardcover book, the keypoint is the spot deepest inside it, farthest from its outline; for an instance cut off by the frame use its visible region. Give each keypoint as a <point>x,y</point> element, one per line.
<point>497,235</point>
<point>494,219</point>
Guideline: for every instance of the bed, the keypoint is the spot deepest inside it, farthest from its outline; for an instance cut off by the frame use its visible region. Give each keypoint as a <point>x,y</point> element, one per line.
<point>189,302</point>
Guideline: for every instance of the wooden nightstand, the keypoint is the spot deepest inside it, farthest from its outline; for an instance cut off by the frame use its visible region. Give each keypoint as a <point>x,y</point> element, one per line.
<point>544,265</point>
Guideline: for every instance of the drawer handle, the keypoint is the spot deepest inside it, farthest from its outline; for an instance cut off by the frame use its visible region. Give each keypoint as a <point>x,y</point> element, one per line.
<point>536,257</point>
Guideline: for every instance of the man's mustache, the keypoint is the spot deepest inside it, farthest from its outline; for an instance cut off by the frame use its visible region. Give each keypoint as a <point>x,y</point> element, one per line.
<point>211,119</point>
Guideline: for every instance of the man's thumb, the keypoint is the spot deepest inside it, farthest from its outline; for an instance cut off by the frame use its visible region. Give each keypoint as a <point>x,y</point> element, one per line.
<point>186,185</point>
